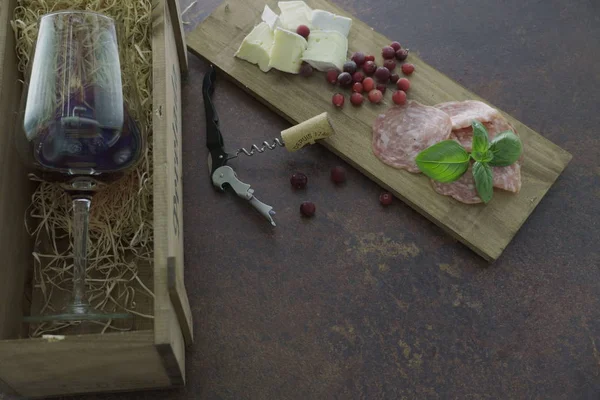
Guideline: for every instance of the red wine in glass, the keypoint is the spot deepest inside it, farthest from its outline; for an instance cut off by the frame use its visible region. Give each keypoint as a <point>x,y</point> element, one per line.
<point>82,141</point>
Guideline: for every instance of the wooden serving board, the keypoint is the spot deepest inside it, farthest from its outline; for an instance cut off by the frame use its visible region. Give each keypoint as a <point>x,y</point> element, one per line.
<point>487,229</point>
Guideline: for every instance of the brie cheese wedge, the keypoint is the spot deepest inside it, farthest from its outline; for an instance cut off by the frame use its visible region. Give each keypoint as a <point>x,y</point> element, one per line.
<point>326,50</point>
<point>294,13</point>
<point>270,17</point>
<point>256,47</point>
<point>326,21</point>
<point>286,53</point>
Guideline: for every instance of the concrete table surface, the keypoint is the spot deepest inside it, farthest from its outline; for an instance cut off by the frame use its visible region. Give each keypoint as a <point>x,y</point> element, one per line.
<point>366,302</point>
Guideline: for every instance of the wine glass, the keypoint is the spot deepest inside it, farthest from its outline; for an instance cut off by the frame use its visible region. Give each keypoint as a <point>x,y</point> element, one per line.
<point>77,130</point>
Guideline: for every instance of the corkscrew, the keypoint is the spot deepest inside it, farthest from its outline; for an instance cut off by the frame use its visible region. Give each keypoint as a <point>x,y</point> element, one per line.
<point>224,176</point>
<point>275,143</point>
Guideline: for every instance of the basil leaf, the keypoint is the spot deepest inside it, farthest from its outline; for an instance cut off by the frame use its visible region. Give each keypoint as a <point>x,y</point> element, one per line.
<point>480,137</point>
<point>445,161</point>
<point>483,157</point>
<point>484,181</point>
<point>507,148</point>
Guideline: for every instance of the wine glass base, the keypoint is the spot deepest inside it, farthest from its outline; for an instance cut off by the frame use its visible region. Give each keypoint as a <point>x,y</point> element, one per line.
<point>79,312</point>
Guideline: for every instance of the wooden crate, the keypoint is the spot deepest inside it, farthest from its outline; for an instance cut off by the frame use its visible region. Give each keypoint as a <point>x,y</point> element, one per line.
<point>152,357</point>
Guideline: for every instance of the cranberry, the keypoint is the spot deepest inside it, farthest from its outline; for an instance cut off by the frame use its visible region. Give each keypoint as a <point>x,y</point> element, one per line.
<point>358,58</point>
<point>368,84</point>
<point>394,78</point>
<point>303,31</point>
<point>358,76</point>
<point>401,54</point>
<point>306,70</point>
<point>369,58</point>
<point>369,67</point>
<point>332,76</point>
<point>357,87</point>
<point>399,97</point>
<point>395,45</point>
<point>350,67</point>
<point>338,100</point>
<point>388,52</point>
<point>381,87</point>
<point>375,96</point>
<point>299,180</point>
<point>356,99</point>
<point>386,198</point>
<point>382,74</point>
<point>338,174</point>
<point>390,64</point>
<point>403,84</point>
<point>408,69</point>
<point>345,79</point>
<point>308,208</point>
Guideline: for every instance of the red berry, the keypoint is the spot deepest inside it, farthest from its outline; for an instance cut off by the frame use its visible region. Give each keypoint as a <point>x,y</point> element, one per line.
<point>358,76</point>
<point>388,52</point>
<point>299,180</point>
<point>332,75</point>
<point>368,84</point>
<point>306,70</point>
<point>369,67</point>
<point>350,67</point>
<point>338,174</point>
<point>408,69</point>
<point>382,74</point>
<point>401,54</point>
<point>308,208</point>
<point>357,87</point>
<point>358,58</point>
<point>399,97</point>
<point>369,58</point>
<point>338,100</point>
<point>395,45</point>
<point>390,65</point>
<point>356,99</point>
<point>386,198</point>
<point>381,87</point>
<point>375,96</point>
<point>345,79</point>
<point>394,78</point>
<point>303,31</point>
<point>403,84</point>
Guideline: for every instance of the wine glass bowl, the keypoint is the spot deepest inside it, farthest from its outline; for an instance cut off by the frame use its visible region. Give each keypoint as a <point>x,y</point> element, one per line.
<point>77,130</point>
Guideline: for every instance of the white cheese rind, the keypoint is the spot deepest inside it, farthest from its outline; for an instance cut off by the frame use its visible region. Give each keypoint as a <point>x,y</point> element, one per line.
<point>326,21</point>
<point>270,18</point>
<point>326,50</point>
<point>256,47</point>
<point>286,53</point>
<point>293,14</point>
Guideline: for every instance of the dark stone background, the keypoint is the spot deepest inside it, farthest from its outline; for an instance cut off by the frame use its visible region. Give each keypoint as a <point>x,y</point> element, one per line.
<point>366,302</point>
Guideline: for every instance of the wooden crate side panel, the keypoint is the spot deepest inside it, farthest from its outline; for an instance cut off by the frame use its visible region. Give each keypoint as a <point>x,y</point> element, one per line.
<point>179,35</point>
<point>82,364</point>
<point>168,213</point>
<point>15,189</point>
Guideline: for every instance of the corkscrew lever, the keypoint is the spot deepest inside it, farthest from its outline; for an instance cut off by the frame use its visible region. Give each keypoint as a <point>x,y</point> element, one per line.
<point>221,174</point>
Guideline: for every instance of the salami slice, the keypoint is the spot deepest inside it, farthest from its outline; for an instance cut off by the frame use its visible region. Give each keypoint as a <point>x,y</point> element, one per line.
<point>402,132</point>
<point>463,189</point>
<point>463,112</point>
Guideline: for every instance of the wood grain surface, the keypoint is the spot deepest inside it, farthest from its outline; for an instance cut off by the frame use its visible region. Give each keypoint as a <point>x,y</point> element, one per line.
<point>82,363</point>
<point>487,229</point>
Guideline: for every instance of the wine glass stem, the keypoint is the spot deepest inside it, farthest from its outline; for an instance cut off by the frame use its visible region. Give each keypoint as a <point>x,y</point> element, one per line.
<point>81,217</point>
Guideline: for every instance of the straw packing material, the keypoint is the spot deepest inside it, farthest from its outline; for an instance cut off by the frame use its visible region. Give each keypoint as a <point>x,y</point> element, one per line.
<point>121,223</point>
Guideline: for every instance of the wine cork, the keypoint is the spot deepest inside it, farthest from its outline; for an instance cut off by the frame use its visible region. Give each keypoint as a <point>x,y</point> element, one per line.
<point>307,132</point>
